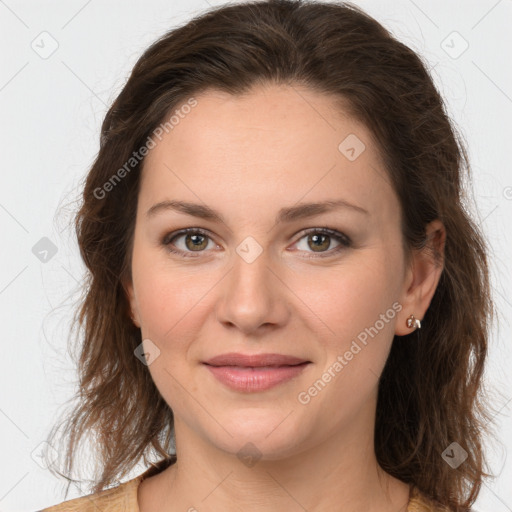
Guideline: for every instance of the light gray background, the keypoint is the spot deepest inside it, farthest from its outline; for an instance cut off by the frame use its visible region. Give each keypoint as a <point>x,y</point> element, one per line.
<point>51,110</point>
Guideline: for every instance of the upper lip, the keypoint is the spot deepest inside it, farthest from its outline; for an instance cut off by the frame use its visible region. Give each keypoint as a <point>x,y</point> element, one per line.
<point>254,360</point>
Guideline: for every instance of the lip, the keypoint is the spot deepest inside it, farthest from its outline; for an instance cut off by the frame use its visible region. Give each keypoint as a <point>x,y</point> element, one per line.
<point>254,373</point>
<point>254,360</point>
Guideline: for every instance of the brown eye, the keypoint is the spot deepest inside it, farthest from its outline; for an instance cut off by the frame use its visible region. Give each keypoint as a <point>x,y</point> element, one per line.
<point>196,240</point>
<point>320,240</point>
<point>316,241</point>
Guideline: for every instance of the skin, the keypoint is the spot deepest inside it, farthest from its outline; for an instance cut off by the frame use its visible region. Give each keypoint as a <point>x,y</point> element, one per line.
<point>247,157</point>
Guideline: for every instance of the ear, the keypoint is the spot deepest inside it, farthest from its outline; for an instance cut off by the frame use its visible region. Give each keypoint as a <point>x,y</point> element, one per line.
<point>130,293</point>
<point>422,277</point>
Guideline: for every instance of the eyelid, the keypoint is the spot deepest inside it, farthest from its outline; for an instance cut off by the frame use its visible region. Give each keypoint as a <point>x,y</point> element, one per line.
<point>174,234</point>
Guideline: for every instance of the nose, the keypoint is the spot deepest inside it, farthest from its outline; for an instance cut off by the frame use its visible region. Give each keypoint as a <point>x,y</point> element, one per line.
<point>253,295</point>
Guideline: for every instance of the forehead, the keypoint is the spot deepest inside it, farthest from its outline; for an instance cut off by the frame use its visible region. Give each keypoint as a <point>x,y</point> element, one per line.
<point>272,146</point>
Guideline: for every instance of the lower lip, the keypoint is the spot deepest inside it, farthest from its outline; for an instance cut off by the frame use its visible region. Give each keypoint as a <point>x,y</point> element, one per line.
<point>255,379</point>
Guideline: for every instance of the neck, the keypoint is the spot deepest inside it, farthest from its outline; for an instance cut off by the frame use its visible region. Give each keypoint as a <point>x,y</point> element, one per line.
<point>341,473</point>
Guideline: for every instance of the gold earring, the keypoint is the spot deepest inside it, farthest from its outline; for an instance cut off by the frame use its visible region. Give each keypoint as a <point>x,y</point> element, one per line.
<point>412,321</point>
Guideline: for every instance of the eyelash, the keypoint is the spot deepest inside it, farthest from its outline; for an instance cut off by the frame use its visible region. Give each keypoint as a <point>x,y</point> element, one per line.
<point>344,240</point>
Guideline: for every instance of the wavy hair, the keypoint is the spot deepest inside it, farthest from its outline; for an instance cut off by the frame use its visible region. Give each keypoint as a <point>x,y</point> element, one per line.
<point>431,390</point>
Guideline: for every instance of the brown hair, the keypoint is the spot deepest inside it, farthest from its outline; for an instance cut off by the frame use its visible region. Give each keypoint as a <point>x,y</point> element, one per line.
<point>430,392</point>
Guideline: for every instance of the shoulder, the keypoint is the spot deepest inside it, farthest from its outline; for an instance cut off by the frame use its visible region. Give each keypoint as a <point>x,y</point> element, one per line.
<point>122,498</point>
<point>420,502</point>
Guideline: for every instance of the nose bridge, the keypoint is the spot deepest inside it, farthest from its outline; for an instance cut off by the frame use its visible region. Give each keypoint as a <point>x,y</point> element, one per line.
<point>251,270</point>
<point>251,295</point>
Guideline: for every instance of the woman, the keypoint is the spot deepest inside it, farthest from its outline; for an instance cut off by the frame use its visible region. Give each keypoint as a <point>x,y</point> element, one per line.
<point>288,304</point>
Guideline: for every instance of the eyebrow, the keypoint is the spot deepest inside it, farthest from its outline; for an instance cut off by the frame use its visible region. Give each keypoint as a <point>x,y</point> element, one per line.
<point>286,214</point>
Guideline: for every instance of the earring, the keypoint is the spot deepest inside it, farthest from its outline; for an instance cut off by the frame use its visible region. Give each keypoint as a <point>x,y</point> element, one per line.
<point>412,321</point>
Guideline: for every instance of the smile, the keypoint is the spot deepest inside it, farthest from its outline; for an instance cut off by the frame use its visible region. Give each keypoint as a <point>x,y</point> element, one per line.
<point>254,379</point>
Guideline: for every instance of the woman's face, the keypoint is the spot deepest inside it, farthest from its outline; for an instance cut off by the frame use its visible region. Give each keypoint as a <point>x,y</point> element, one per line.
<point>258,282</point>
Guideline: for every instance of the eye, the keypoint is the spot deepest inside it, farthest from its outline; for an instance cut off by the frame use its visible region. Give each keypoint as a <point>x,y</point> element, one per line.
<point>319,238</point>
<point>196,240</point>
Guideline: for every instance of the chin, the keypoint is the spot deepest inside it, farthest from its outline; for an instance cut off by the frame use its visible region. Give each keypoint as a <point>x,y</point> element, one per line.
<point>264,434</point>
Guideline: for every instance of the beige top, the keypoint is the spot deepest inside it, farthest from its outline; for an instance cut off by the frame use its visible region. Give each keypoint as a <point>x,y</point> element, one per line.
<point>123,498</point>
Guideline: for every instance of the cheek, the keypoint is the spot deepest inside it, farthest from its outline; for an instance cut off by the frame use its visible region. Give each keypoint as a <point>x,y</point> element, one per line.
<point>172,314</point>
<point>347,299</point>
<point>175,305</point>
<point>170,304</point>
<point>166,294</point>
<point>356,307</point>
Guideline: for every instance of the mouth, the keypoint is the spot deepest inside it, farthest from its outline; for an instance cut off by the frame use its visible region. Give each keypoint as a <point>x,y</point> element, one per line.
<point>267,361</point>
<point>253,379</point>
